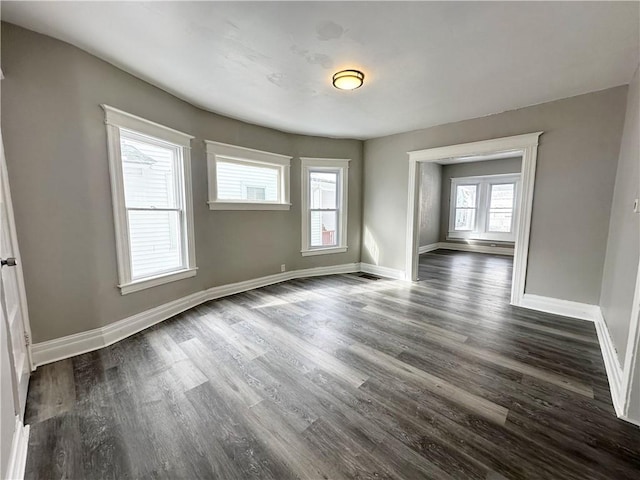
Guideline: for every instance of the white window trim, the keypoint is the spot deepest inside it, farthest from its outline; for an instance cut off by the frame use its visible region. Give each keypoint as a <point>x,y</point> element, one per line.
<point>115,120</point>
<point>224,151</point>
<point>341,165</point>
<point>484,183</point>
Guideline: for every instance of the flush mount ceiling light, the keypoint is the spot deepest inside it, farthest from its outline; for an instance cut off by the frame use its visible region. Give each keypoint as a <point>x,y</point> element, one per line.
<point>348,79</point>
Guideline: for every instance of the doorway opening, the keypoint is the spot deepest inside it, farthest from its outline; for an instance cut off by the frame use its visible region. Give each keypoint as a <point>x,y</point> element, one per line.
<point>477,210</point>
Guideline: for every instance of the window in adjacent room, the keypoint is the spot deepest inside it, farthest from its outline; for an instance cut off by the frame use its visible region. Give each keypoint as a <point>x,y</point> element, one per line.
<point>151,190</point>
<point>324,205</point>
<point>484,208</point>
<point>246,179</point>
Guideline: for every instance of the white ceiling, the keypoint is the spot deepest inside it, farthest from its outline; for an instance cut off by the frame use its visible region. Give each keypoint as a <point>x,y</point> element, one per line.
<point>271,63</point>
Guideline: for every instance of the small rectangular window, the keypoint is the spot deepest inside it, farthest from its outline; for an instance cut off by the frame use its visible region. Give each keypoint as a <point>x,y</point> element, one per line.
<point>324,206</point>
<point>151,188</point>
<point>245,179</point>
<point>484,208</point>
<point>256,193</point>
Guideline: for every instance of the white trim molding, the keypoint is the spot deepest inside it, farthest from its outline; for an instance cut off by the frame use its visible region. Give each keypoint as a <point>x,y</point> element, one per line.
<point>18,452</point>
<point>428,248</point>
<point>119,118</point>
<point>611,364</point>
<point>504,147</point>
<point>472,247</point>
<point>248,206</point>
<point>323,251</point>
<point>520,145</point>
<point>556,306</point>
<point>76,344</point>
<point>137,285</point>
<point>382,271</point>
<point>468,246</point>
<point>340,167</point>
<point>217,151</point>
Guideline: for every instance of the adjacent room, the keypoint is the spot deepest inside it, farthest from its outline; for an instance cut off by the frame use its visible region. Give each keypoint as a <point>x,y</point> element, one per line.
<point>320,240</point>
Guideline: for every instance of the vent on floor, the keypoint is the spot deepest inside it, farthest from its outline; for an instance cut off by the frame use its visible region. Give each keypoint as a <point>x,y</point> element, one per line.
<point>369,276</point>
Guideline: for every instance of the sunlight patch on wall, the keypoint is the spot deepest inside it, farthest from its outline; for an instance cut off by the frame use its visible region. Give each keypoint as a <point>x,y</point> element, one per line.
<point>371,245</point>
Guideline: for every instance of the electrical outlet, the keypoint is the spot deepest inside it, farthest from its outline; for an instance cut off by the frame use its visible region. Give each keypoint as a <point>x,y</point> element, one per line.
<point>283,267</point>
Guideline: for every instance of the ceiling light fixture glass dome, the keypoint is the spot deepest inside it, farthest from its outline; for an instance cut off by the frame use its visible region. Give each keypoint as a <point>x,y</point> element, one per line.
<point>348,79</point>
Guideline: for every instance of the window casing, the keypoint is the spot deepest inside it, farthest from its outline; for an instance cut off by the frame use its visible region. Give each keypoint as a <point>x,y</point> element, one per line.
<point>484,207</point>
<point>150,171</point>
<point>324,205</point>
<point>246,179</point>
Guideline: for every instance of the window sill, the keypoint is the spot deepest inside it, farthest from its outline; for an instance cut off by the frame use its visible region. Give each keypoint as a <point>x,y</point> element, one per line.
<point>248,206</point>
<point>145,283</point>
<point>323,251</point>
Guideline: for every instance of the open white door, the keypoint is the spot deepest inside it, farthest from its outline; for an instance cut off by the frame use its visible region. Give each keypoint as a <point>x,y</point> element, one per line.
<point>12,295</point>
<point>15,355</point>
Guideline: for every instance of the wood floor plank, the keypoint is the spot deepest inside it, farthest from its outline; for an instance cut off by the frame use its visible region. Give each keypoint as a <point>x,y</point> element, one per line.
<point>225,421</point>
<point>51,391</point>
<point>435,385</point>
<point>220,374</point>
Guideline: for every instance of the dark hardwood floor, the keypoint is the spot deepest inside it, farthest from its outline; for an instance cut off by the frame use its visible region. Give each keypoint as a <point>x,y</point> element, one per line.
<point>344,376</point>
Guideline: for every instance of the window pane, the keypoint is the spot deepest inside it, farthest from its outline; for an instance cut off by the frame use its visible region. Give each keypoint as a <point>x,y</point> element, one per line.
<point>502,196</point>
<point>323,188</point>
<point>256,193</point>
<point>155,242</point>
<point>323,229</point>
<point>237,181</point>
<point>465,219</point>
<point>500,221</point>
<point>149,173</point>
<point>466,196</point>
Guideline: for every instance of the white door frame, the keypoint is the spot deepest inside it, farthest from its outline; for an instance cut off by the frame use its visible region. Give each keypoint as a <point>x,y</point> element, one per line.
<point>525,145</point>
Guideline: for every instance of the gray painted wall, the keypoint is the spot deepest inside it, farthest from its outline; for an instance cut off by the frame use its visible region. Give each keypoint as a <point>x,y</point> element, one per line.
<point>623,246</point>
<point>429,201</point>
<point>470,169</point>
<point>56,150</point>
<point>577,158</point>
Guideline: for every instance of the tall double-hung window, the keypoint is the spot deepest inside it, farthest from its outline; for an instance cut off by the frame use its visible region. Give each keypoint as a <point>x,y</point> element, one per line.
<point>484,208</point>
<point>152,203</point>
<point>324,205</point>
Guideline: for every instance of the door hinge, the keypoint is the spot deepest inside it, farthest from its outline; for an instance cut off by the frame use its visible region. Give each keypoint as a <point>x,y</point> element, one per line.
<point>27,339</point>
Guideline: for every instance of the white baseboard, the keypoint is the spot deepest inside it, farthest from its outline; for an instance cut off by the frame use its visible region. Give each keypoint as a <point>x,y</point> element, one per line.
<point>612,365</point>
<point>469,247</point>
<point>76,344</point>
<point>382,271</point>
<point>428,248</point>
<point>557,306</point>
<point>18,453</point>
